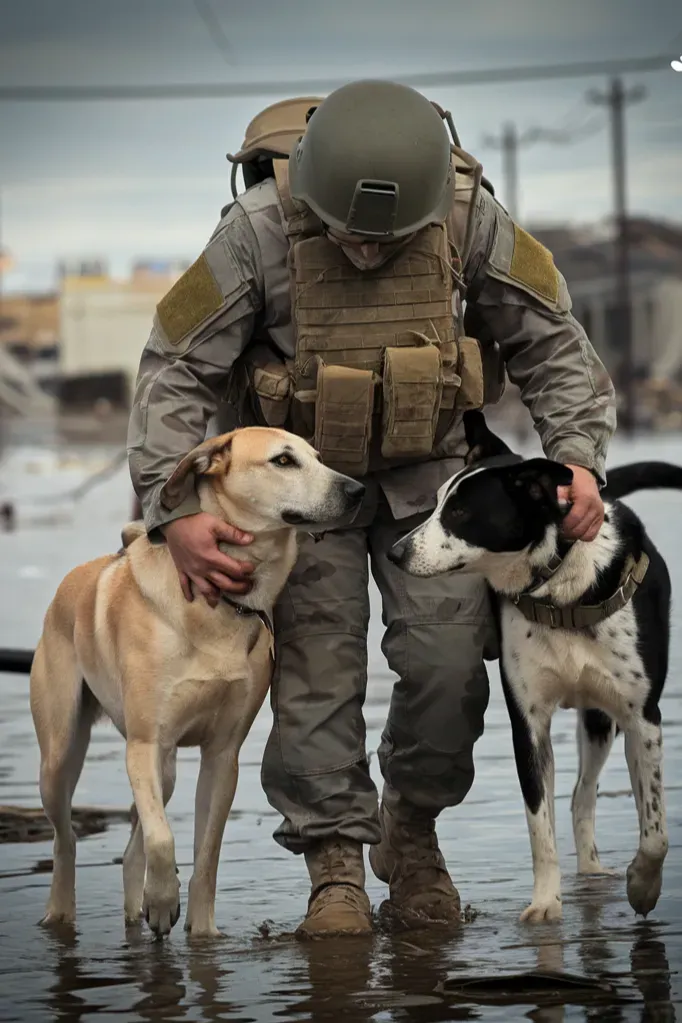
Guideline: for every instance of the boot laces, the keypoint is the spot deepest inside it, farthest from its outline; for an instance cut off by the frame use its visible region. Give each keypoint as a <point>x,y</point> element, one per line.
<point>336,892</point>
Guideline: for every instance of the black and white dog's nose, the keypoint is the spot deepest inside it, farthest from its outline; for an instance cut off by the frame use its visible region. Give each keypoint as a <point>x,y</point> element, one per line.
<point>397,552</point>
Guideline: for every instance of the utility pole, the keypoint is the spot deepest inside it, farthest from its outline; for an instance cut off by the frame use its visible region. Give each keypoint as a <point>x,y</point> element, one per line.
<point>510,142</point>
<point>510,149</point>
<point>2,259</point>
<point>616,99</point>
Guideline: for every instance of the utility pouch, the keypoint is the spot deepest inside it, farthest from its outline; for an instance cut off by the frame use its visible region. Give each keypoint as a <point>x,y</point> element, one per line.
<point>344,403</point>
<point>413,386</point>
<point>272,384</point>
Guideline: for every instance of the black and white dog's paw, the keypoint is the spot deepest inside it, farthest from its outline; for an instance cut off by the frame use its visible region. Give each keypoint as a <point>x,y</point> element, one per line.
<point>645,878</point>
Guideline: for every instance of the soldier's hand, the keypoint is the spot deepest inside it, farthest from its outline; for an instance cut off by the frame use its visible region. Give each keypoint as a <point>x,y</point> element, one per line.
<point>585,518</point>
<point>193,543</point>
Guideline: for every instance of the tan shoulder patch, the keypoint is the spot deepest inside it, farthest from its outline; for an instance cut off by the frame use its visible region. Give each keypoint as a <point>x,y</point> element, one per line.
<point>533,265</point>
<point>191,300</point>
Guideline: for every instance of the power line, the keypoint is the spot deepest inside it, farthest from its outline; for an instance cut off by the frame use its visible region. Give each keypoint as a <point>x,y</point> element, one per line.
<point>215,29</point>
<point>672,123</point>
<point>510,142</point>
<point>223,90</point>
<point>576,113</point>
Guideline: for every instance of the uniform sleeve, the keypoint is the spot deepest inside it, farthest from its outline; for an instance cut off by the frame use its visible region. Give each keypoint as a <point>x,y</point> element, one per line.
<point>524,303</point>
<point>200,328</point>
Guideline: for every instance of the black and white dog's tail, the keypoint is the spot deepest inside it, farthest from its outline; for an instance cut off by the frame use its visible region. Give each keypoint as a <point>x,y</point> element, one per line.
<point>627,479</point>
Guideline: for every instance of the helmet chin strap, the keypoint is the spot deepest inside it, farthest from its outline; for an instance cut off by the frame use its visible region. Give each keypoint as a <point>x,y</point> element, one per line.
<point>354,252</point>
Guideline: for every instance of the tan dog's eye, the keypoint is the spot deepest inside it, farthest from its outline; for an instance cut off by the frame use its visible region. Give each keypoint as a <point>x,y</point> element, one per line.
<point>283,460</point>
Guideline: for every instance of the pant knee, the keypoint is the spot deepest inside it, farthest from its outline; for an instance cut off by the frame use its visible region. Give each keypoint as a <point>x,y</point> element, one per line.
<point>317,698</point>
<point>424,776</point>
<point>437,710</point>
<point>442,692</point>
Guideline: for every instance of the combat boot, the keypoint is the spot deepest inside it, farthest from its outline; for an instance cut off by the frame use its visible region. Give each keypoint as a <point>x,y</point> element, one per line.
<point>409,860</point>
<point>338,903</point>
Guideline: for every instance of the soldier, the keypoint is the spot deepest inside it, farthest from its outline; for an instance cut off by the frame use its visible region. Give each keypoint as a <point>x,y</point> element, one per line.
<point>364,293</point>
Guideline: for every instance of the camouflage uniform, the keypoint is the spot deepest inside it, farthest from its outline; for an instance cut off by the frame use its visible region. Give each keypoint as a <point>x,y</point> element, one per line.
<point>438,631</point>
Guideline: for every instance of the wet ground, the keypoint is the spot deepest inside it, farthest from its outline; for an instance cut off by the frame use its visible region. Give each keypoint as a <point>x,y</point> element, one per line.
<point>626,970</point>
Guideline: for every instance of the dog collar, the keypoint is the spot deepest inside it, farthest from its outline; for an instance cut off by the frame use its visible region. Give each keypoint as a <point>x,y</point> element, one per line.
<point>583,616</point>
<point>546,572</point>
<point>250,612</point>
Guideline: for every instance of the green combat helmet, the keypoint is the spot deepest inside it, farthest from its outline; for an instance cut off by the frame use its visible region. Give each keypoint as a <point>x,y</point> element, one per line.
<point>375,160</point>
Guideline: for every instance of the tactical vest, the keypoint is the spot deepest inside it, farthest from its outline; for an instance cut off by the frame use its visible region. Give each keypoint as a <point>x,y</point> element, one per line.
<point>383,368</point>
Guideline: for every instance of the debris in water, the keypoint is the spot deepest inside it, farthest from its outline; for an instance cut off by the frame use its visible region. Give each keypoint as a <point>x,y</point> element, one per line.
<point>29,824</point>
<point>542,987</point>
<point>43,866</point>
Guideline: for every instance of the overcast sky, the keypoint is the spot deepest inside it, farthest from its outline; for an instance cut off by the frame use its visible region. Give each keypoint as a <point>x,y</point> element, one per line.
<point>122,180</point>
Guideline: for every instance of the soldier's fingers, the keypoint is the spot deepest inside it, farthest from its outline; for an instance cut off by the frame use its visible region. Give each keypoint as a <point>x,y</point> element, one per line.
<point>186,586</point>
<point>230,534</point>
<point>230,567</point>
<point>207,590</point>
<point>592,529</point>
<point>228,585</point>
<point>574,525</point>
<point>575,518</point>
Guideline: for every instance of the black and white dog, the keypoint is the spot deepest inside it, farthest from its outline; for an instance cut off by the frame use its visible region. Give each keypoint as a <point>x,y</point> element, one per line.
<point>582,625</point>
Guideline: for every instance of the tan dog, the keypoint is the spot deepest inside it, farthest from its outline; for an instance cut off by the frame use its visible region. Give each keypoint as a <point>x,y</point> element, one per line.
<point>119,638</point>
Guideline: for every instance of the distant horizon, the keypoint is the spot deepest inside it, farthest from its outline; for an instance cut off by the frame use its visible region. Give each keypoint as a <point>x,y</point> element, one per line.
<point>111,179</point>
<point>122,270</point>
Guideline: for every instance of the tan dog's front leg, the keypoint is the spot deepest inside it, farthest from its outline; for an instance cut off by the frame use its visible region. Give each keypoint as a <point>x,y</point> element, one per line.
<point>161,902</point>
<point>216,787</point>
<point>133,857</point>
<point>133,872</point>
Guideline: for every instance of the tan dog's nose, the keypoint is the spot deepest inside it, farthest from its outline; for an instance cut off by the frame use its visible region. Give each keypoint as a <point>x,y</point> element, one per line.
<point>354,491</point>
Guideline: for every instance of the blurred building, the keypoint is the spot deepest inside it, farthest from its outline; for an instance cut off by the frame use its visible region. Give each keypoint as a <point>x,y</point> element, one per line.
<point>29,326</point>
<point>586,257</point>
<point>29,329</point>
<point>83,342</point>
<point>104,324</point>
<point>587,261</point>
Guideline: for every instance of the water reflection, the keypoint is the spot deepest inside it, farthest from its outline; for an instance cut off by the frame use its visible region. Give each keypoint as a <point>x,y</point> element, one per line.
<point>651,974</point>
<point>395,976</point>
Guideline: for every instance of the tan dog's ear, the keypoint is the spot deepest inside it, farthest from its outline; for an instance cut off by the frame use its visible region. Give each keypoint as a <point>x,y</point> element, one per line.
<point>210,458</point>
<point>131,532</point>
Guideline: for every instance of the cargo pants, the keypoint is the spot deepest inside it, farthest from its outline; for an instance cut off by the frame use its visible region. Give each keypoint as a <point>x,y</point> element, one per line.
<point>438,632</point>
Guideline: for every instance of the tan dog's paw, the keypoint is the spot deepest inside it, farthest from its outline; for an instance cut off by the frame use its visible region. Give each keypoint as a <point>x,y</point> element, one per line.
<point>597,870</point>
<point>201,930</point>
<point>161,907</point>
<point>200,918</point>
<point>56,918</point>
<point>133,916</point>
<point>543,911</point>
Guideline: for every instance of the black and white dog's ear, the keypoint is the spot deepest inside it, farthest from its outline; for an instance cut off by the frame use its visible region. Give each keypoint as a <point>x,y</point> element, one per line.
<point>483,443</point>
<point>540,478</point>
